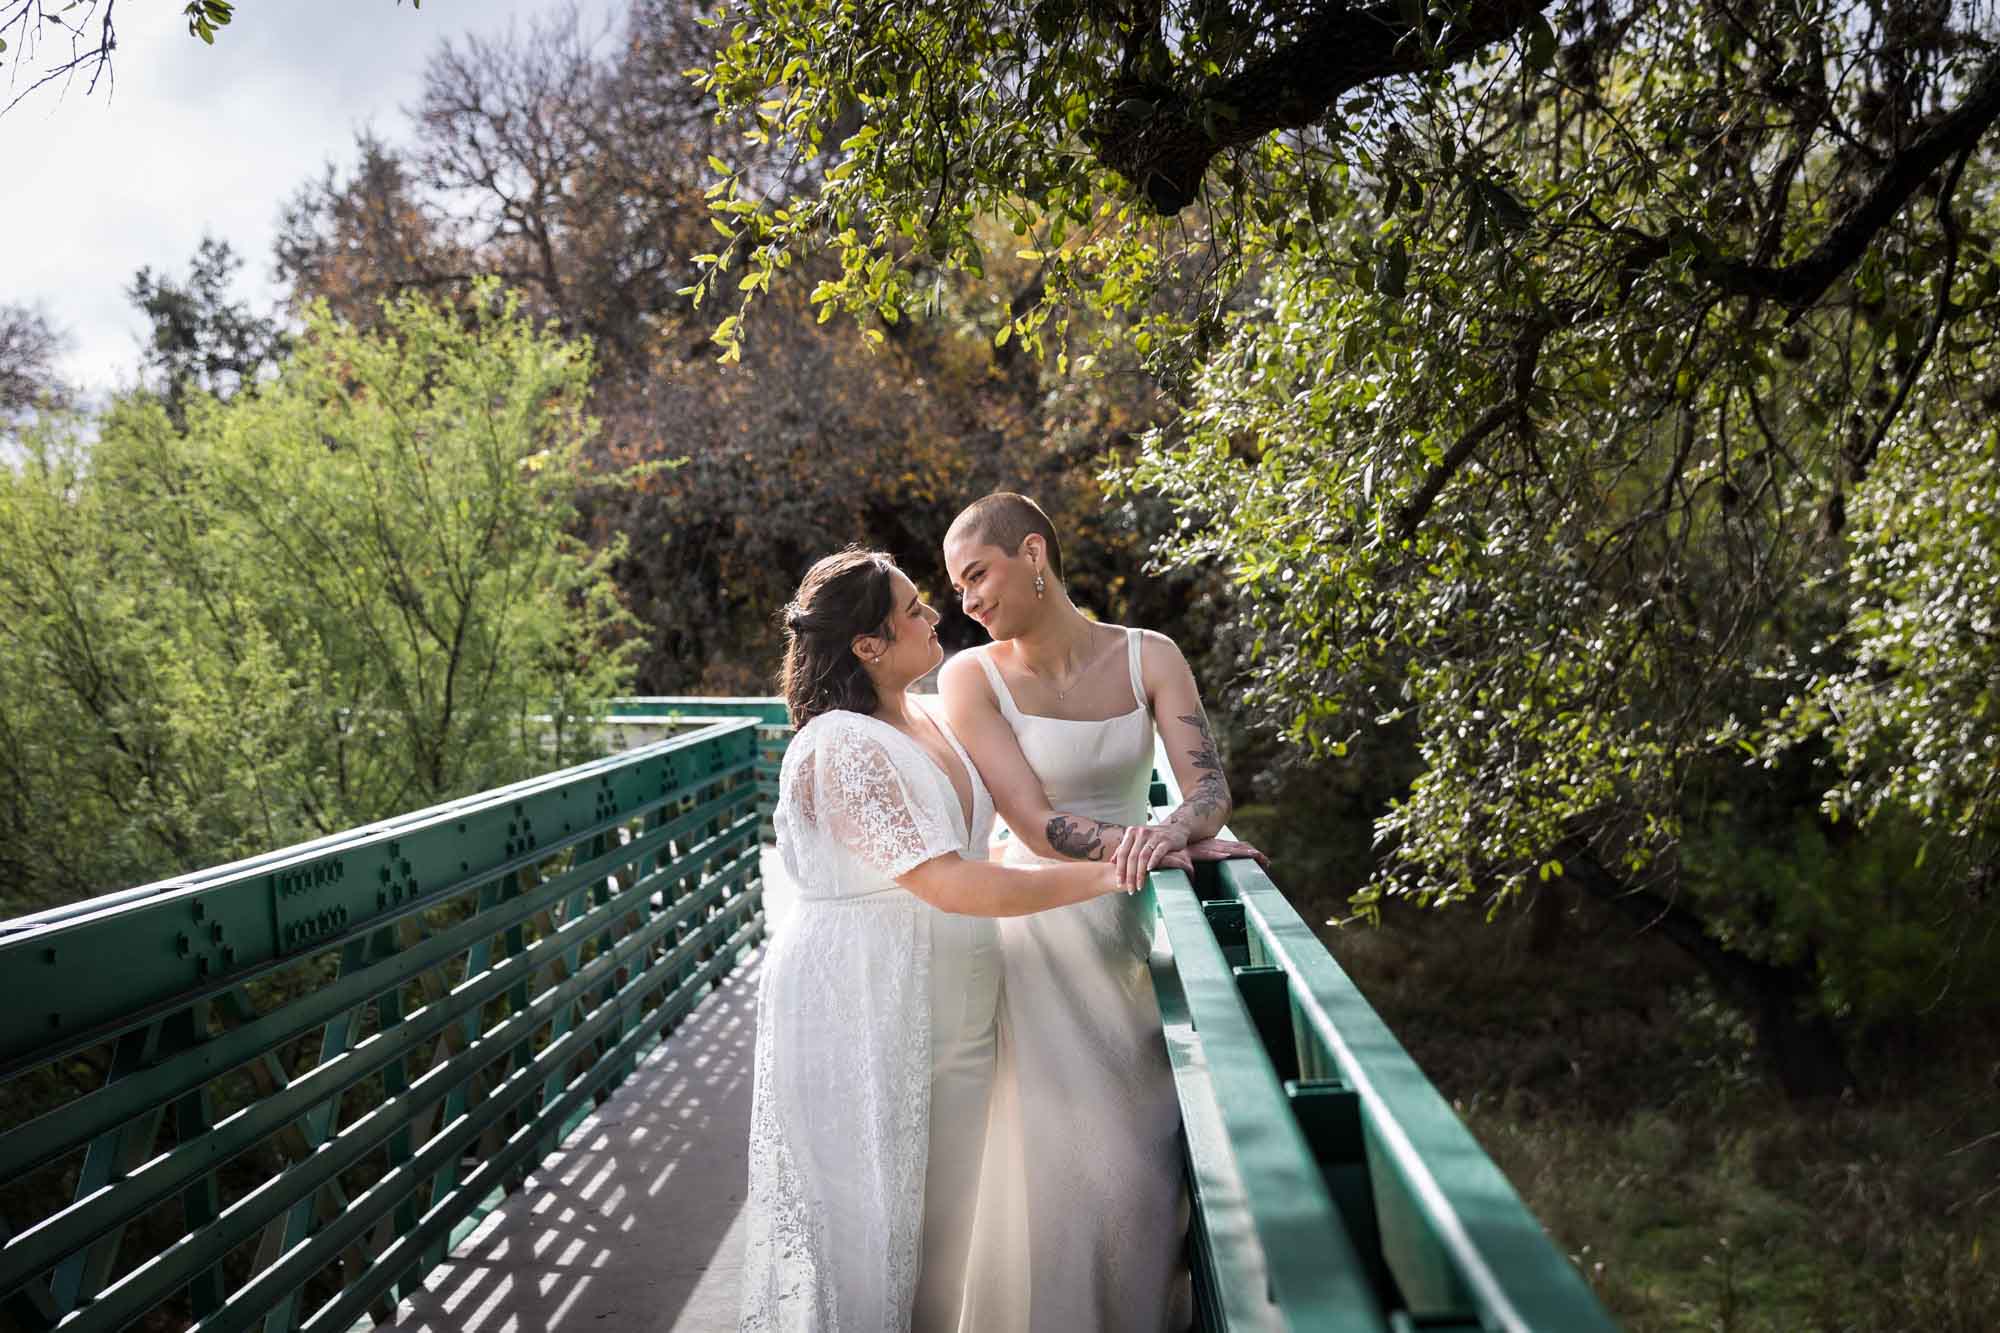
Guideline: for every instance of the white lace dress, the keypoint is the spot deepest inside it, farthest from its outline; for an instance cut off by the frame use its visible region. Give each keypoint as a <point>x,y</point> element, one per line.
<point>875,1045</point>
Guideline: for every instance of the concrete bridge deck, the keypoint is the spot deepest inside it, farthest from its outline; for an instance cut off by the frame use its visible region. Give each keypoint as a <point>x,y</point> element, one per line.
<point>635,1224</point>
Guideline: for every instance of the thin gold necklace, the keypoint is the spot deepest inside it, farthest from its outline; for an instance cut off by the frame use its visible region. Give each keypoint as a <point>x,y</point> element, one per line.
<point>1075,680</point>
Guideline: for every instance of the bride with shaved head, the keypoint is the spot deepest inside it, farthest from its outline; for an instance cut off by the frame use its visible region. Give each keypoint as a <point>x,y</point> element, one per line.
<point>1081,1217</point>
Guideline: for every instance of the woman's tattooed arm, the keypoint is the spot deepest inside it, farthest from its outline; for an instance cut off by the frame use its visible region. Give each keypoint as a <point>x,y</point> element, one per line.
<point>1206,806</point>
<point>1080,839</point>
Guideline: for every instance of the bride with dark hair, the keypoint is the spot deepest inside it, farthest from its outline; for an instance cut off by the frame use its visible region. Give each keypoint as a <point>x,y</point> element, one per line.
<point>877,1006</point>
<point>1082,1215</point>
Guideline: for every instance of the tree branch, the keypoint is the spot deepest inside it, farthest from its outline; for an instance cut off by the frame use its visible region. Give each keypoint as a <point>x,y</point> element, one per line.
<point>1527,351</point>
<point>1161,137</point>
<point>1860,459</point>
<point>27,17</point>
<point>1799,285</point>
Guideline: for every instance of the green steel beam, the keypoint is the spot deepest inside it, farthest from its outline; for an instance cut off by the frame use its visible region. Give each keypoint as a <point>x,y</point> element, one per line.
<point>160,1277</point>
<point>38,1247</point>
<point>191,933</point>
<point>1232,1285</point>
<point>348,1307</point>
<point>767,709</point>
<point>696,820</point>
<point>1316,1280</point>
<point>1455,1233</point>
<point>102,1111</point>
<point>416,820</point>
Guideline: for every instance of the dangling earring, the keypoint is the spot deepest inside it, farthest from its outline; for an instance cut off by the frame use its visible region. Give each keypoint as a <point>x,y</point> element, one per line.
<point>1039,585</point>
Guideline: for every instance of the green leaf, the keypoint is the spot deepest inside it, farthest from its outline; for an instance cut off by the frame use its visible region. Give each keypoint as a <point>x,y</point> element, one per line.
<point>1541,49</point>
<point>1508,211</point>
<point>1392,269</point>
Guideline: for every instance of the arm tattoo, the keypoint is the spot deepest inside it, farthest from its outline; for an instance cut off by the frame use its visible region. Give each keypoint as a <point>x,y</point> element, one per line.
<point>1210,796</point>
<point>1080,839</point>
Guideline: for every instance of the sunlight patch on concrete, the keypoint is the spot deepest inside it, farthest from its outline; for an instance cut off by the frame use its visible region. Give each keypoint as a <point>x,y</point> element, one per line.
<point>635,1223</point>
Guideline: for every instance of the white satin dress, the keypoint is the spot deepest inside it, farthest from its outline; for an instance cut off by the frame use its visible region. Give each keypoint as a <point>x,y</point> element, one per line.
<point>1082,1209</point>
<point>876,1045</point>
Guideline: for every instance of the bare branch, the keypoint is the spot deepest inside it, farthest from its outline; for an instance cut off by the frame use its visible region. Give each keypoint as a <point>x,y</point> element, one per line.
<point>27,20</point>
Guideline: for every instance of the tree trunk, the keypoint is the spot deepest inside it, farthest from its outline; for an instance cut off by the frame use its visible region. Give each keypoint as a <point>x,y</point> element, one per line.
<point>1799,1043</point>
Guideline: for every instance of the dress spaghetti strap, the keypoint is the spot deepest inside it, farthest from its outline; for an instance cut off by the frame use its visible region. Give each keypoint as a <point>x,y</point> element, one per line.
<point>1006,699</point>
<point>1132,641</point>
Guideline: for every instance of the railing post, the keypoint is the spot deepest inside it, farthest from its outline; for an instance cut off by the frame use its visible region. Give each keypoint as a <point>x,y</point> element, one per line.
<point>109,1156</point>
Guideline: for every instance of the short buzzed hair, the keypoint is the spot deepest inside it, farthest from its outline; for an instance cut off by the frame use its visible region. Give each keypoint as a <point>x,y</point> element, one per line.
<point>1004,519</point>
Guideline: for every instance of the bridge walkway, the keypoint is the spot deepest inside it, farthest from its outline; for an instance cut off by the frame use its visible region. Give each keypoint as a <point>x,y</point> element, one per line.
<point>636,1222</point>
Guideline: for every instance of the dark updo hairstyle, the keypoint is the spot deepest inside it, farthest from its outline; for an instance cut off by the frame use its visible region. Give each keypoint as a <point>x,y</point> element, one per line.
<point>842,596</point>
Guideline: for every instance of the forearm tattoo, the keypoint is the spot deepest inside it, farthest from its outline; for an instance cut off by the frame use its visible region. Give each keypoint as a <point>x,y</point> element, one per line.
<point>1210,796</point>
<point>1081,839</point>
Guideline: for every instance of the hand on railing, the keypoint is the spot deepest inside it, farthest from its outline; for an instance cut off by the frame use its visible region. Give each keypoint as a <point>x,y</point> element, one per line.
<point>1226,849</point>
<point>1133,879</point>
<point>1144,848</point>
<point>1171,861</point>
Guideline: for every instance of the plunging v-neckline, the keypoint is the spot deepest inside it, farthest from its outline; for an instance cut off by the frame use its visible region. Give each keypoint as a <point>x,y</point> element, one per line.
<point>969,809</point>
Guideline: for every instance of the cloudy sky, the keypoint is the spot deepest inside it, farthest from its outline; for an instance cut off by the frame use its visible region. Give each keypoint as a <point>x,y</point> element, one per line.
<point>197,139</point>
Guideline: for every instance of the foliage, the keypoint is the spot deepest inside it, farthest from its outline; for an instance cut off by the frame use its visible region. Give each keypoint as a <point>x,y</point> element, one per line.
<point>1622,1102</point>
<point>344,597</point>
<point>201,341</point>
<point>1545,382</point>
<point>1913,706</point>
<point>575,168</point>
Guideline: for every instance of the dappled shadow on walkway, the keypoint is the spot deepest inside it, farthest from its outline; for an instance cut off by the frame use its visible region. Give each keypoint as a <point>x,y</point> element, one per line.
<point>634,1223</point>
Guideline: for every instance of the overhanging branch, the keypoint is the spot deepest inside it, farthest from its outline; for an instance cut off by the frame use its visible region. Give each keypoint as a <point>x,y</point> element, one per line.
<point>1162,137</point>
<point>1527,352</point>
<point>1800,284</point>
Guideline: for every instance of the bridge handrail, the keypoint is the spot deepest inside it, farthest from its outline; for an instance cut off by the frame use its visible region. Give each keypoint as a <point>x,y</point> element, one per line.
<point>473,977</point>
<point>360,834</point>
<point>767,709</point>
<point>1304,1073</point>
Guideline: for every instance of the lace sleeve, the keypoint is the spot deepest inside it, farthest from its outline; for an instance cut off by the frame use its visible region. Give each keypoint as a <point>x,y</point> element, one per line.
<point>851,791</point>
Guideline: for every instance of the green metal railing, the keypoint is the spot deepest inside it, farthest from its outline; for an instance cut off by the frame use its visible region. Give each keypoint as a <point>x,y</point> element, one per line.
<point>313,1071</point>
<point>274,1093</point>
<point>645,716</point>
<point>1332,1186</point>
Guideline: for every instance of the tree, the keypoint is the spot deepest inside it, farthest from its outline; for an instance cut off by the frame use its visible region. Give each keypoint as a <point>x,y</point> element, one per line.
<point>201,341</point>
<point>347,596</point>
<point>85,37</point>
<point>1596,393</point>
<point>29,346</point>
<point>372,236</point>
<point>575,167</point>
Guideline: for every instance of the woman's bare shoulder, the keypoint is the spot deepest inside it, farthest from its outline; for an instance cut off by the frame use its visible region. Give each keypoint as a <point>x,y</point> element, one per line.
<point>1158,650</point>
<point>960,673</point>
